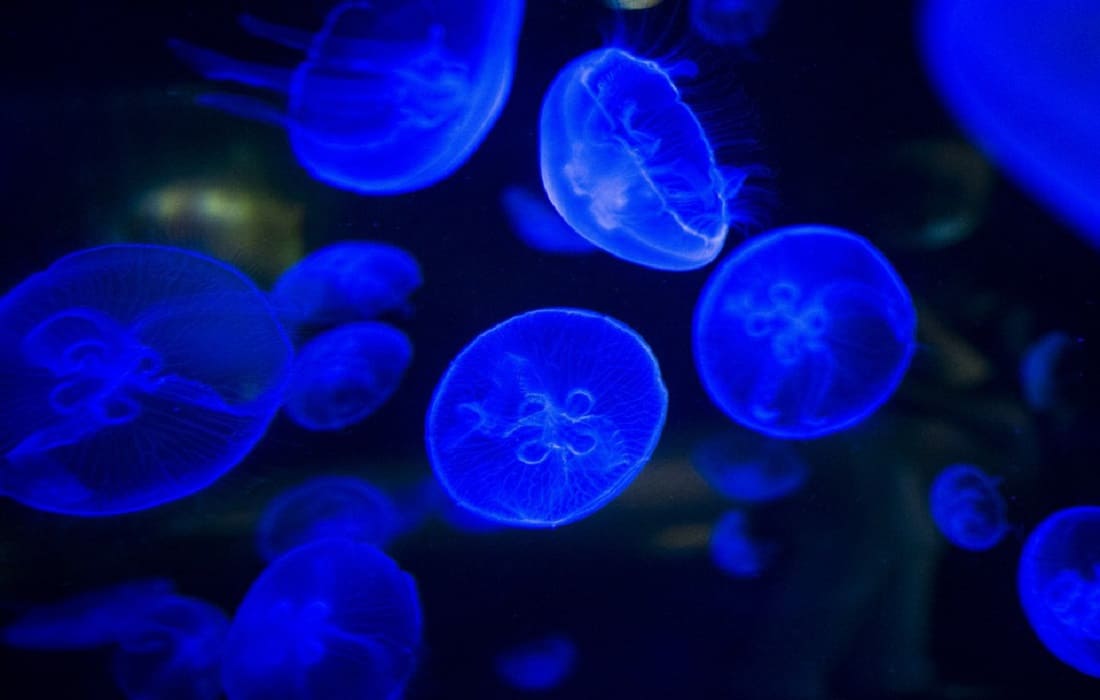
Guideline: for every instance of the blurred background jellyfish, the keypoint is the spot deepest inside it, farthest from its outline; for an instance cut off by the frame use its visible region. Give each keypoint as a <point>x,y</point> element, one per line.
<point>133,375</point>
<point>1038,370</point>
<point>1059,586</point>
<point>344,375</point>
<point>802,332</point>
<point>538,225</point>
<point>731,22</point>
<point>539,664</point>
<point>393,96</point>
<point>1020,78</point>
<point>734,550</point>
<point>748,467</point>
<point>968,508</point>
<point>533,426</point>
<point>330,620</point>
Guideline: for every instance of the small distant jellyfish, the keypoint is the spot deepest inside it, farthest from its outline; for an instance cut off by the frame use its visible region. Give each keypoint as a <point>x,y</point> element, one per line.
<point>538,665</point>
<point>1037,370</point>
<point>133,375</point>
<point>749,467</point>
<point>330,620</point>
<point>968,508</point>
<point>1059,586</point>
<point>534,220</point>
<point>344,375</point>
<point>803,331</point>
<point>393,96</point>
<point>734,550</point>
<point>546,417</point>
<point>731,22</point>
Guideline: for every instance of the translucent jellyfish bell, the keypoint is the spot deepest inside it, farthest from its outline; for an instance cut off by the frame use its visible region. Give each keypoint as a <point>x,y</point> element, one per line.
<point>731,22</point>
<point>968,508</point>
<point>538,665</point>
<point>534,220</point>
<point>803,331</point>
<point>733,549</point>
<point>1037,370</point>
<point>749,467</point>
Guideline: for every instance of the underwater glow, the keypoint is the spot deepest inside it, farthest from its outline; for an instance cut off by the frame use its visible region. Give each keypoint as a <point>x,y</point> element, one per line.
<point>393,96</point>
<point>749,467</point>
<point>546,417</point>
<point>803,331</point>
<point>537,665</point>
<point>733,549</point>
<point>731,22</point>
<point>1037,370</point>
<point>133,375</point>
<point>968,508</point>
<point>537,224</point>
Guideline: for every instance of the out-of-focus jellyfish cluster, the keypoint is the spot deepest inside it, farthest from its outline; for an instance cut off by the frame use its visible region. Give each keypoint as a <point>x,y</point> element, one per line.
<point>968,508</point>
<point>538,665</point>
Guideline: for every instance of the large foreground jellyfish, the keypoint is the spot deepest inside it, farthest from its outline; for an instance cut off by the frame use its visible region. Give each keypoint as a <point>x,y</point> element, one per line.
<point>628,165</point>
<point>546,417</point>
<point>803,331</point>
<point>968,508</point>
<point>393,96</point>
<point>1059,585</point>
<point>132,375</point>
<point>330,620</point>
<point>538,225</point>
<point>749,467</point>
<point>731,22</point>
<point>539,664</point>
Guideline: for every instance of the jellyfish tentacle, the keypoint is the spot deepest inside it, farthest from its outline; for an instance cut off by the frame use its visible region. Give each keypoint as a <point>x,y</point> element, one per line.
<point>283,35</point>
<point>218,66</point>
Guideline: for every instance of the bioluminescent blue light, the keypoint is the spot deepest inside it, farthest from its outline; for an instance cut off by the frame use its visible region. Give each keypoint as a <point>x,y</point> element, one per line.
<point>546,417</point>
<point>1020,77</point>
<point>534,220</point>
<point>1037,370</point>
<point>333,619</point>
<point>731,22</point>
<point>538,665</point>
<point>133,375</point>
<point>628,165</point>
<point>393,95</point>
<point>749,467</point>
<point>345,282</point>
<point>803,331</point>
<point>344,375</point>
<point>1059,585</point>
<point>968,508</point>
<point>734,550</point>
<point>326,507</point>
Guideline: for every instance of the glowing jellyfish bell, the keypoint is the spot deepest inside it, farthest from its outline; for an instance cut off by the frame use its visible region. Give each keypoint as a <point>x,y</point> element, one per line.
<point>735,551</point>
<point>968,508</point>
<point>749,467</point>
<point>539,664</point>
<point>731,22</point>
<point>534,220</point>
<point>803,331</point>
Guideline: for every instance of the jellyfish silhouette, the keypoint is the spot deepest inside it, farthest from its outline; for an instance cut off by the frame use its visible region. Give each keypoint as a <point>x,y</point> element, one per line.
<point>393,96</point>
<point>1037,370</point>
<point>803,331</point>
<point>326,507</point>
<point>539,664</point>
<point>333,619</point>
<point>536,223</point>
<point>345,282</point>
<point>627,164</point>
<point>546,417</point>
<point>733,549</point>
<point>748,467</point>
<point>133,375</point>
<point>967,507</point>
<point>344,375</point>
<point>1059,586</point>
<point>731,22</point>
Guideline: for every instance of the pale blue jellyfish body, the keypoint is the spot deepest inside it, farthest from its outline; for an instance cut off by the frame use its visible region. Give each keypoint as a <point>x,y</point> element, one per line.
<point>968,508</point>
<point>534,220</point>
<point>537,665</point>
<point>803,331</point>
<point>133,375</point>
<point>393,95</point>
<point>1037,370</point>
<point>344,375</point>
<point>748,467</point>
<point>1059,586</point>
<point>330,620</point>
<point>546,417</point>
<point>628,165</point>
<point>734,550</point>
<point>731,22</point>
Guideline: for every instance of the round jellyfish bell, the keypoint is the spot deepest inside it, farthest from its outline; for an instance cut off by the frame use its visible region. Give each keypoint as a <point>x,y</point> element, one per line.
<point>734,550</point>
<point>749,467</point>
<point>133,375</point>
<point>803,331</point>
<point>539,664</point>
<point>731,22</point>
<point>546,417</point>
<point>967,507</point>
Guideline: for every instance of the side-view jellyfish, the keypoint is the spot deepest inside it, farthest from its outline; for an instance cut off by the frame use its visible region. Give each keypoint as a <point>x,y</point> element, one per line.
<point>803,331</point>
<point>546,417</point>
<point>537,665</point>
<point>734,550</point>
<point>1059,586</point>
<point>749,467</point>
<point>133,375</point>
<point>393,95</point>
<point>968,508</point>
<point>731,22</point>
<point>1038,370</point>
<point>330,620</point>
<point>534,220</point>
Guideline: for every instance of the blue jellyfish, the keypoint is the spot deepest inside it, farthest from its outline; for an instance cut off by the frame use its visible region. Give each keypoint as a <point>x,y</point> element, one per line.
<point>536,223</point>
<point>968,508</point>
<point>546,417</point>
<point>539,664</point>
<point>628,165</point>
<point>393,96</point>
<point>325,507</point>
<point>1020,78</point>
<point>1037,370</point>
<point>749,467</point>
<point>344,375</point>
<point>803,331</point>
<point>133,375</point>
<point>344,282</point>
<point>734,550</point>
<point>1059,583</point>
<point>731,22</point>
<point>333,619</point>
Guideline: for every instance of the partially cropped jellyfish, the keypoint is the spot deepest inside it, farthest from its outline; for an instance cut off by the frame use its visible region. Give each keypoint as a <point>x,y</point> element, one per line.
<point>538,665</point>
<point>344,375</point>
<point>133,375</point>
<point>731,22</point>
<point>968,508</point>
<point>749,467</point>
<point>330,620</point>
<point>534,220</point>
<point>546,417</point>
<point>323,508</point>
<point>803,331</point>
<point>735,551</point>
<point>393,95</point>
<point>1037,370</point>
<point>345,282</point>
<point>1059,586</point>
